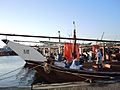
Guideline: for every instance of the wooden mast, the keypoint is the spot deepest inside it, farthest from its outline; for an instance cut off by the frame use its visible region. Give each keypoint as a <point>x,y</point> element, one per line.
<point>74,52</point>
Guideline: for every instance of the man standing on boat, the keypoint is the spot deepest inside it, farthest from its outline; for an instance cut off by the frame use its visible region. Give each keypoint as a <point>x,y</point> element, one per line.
<point>99,59</point>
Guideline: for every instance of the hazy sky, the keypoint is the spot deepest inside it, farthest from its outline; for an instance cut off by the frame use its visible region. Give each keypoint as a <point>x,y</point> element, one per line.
<point>47,17</point>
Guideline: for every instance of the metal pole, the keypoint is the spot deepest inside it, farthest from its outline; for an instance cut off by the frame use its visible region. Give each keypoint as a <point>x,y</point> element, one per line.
<point>104,53</point>
<point>83,39</point>
<point>49,47</point>
<point>59,41</point>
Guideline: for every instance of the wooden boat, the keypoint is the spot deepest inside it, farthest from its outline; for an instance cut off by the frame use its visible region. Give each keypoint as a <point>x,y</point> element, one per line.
<point>6,51</point>
<point>52,73</point>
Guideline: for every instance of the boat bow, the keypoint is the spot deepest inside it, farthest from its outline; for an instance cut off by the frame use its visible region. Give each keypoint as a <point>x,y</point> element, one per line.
<point>26,52</point>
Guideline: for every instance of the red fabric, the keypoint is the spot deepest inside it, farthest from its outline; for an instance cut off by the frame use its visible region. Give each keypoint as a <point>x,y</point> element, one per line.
<point>68,50</point>
<point>77,50</point>
<point>94,48</point>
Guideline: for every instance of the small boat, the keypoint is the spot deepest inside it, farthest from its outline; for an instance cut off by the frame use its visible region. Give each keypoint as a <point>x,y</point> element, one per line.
<point>52,73</point>
<point>5,51</point>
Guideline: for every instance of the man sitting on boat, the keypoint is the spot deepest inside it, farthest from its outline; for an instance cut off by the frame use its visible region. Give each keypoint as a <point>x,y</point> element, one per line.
<point>75,64</point>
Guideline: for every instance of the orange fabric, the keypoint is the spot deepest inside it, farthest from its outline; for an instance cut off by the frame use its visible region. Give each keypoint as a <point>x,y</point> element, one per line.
<point>77,50</point>
<point>94,48</point>
<point>68,50</point>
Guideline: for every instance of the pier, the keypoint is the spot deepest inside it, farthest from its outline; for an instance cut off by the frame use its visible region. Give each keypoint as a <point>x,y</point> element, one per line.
<point>69,86</point>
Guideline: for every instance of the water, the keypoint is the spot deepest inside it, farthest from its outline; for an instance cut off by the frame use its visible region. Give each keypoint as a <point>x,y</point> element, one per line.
<point>13,73</point>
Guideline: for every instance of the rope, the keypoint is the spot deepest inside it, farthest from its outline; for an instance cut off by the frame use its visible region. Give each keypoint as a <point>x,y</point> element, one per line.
<point>14,71</point>
<point>7,77</point>
<point>10,72</point>
<point>47,68</point>
<point>35,67</point>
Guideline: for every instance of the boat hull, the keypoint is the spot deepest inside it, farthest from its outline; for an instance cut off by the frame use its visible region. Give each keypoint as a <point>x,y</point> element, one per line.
<point>55,74</point>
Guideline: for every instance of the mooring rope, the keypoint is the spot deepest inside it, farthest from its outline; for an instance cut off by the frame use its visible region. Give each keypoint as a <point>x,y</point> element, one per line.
<point>35,67</point>
<point>14,71</point>
<point>11,71</point>
<point>7,77</point>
